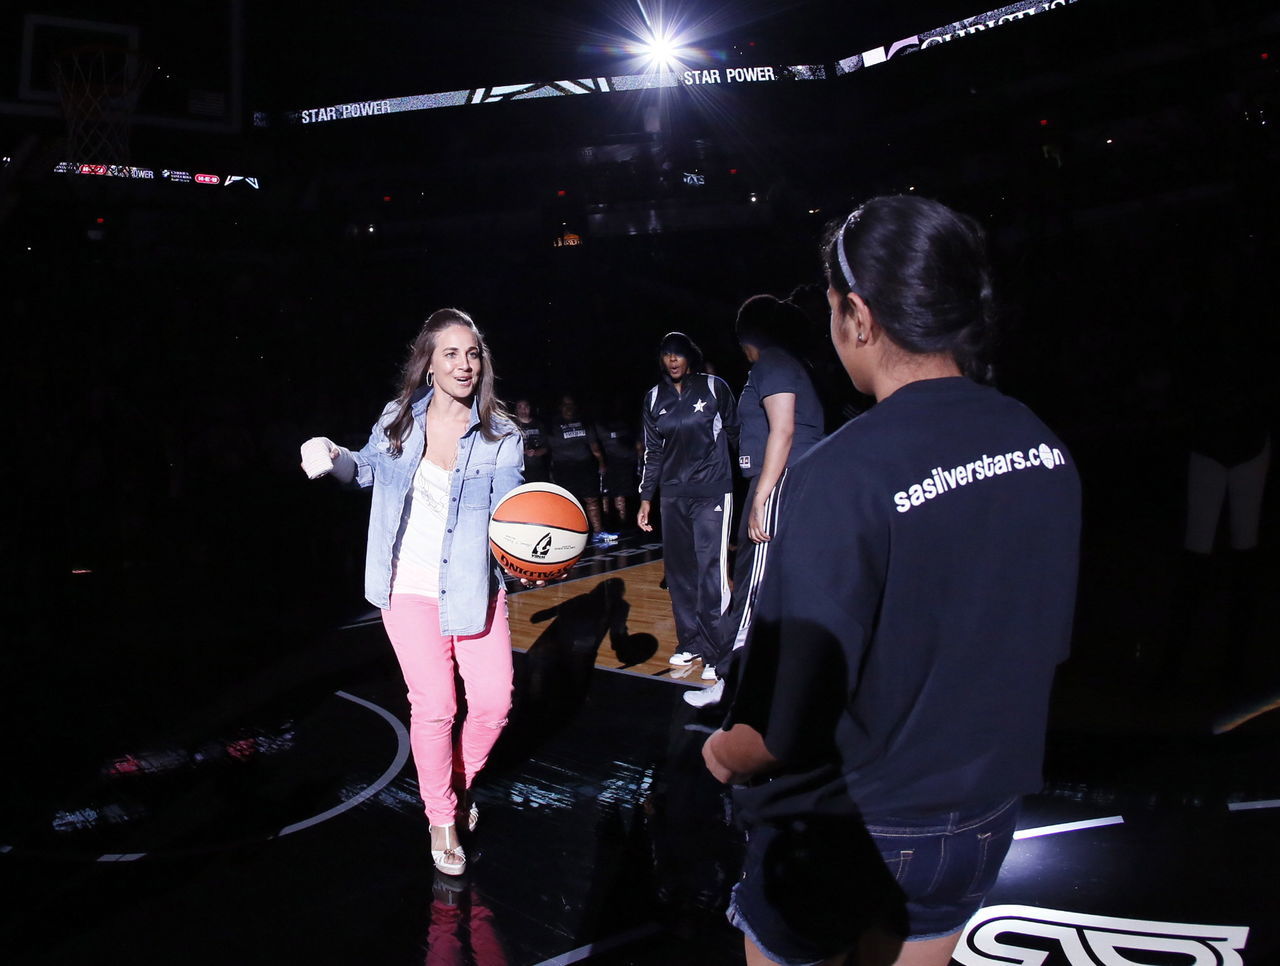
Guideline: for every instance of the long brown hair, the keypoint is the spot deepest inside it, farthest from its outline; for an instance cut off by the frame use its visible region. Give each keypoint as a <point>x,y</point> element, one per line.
<point>414,376</point>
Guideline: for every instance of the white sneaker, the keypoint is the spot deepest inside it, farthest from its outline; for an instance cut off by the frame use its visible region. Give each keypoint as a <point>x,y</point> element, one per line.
<point>708,672</point>
<point>682,658</point>
<point>706,696</point>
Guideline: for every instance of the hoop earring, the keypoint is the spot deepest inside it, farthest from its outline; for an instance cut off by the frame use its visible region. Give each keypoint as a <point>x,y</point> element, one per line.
<point>431,379</point>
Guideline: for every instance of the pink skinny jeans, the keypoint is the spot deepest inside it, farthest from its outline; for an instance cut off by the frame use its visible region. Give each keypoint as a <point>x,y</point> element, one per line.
<point>427,659</point>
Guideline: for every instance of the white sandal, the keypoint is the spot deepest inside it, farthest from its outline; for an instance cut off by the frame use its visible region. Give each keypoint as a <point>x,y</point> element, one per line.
<point>446,850</point>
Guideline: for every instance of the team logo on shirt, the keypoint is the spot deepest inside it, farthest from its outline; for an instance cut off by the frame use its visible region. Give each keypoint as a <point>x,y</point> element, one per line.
<point>1016,935</point>
<point>700,405</point>
<point>985,467</point>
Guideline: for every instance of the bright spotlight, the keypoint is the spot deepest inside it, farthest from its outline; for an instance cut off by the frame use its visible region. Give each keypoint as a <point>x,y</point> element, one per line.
<point>661,51</point>
<point>660,43</point>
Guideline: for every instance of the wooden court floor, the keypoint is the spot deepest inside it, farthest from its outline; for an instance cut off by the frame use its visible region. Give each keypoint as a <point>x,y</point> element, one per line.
<point>623,614</point>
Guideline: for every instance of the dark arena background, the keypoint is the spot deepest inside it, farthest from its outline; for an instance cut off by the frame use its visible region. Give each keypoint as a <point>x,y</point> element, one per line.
<point>222,223</point>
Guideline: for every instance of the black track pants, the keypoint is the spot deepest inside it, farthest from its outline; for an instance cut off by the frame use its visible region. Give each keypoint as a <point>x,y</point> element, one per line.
<point>748,571</point>
<point>695,535</point>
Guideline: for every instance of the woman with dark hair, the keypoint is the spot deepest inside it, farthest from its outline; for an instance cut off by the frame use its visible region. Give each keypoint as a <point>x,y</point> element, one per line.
<point>689,419</point>
<point>577,461</point>
<point>439,458</point>
<point>781,417</point>
<point>622,449</point>
<point>536,460</point>
<point>892,697</point>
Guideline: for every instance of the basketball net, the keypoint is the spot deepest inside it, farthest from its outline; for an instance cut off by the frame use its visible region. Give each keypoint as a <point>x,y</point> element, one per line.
<point>99,89</point>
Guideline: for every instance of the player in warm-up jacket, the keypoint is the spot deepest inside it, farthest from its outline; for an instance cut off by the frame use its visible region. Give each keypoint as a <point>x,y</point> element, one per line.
<point>690,418</point>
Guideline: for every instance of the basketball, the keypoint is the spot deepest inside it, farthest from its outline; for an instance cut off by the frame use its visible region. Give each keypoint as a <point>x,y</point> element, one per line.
<point>538,531</point>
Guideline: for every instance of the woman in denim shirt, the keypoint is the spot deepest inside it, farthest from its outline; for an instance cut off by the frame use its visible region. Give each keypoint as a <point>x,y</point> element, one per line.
<point>439,458</point>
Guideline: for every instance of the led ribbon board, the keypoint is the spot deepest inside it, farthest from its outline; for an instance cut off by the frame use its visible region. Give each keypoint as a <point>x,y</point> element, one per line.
<point>521,92</point>
<point>953,31</point>
<point>148,174</point>
<point>654,80</point>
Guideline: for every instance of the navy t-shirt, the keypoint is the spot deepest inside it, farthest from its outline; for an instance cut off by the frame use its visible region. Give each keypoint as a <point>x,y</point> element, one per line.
<point>919,596</point>
<point>618,440</point>
<point>776,371</point>
<point>570,441</point>
<point>535,437</point>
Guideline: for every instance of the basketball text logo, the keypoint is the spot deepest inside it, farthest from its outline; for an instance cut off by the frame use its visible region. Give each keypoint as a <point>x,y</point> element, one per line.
<point>542,547</point>
<point>1023,936</point>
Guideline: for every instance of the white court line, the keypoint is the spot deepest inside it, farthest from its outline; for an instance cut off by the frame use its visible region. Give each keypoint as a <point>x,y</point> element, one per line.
<point>1031,833</point>
<point>1243,806</point>
<point>604,945</point>
<point>402,755</point>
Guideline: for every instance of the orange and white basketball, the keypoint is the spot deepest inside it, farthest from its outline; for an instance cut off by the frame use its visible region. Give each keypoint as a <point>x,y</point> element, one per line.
<point>538,531</point>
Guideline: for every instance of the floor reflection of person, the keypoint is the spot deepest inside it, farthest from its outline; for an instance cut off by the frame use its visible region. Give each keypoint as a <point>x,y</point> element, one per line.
<point>439,459</point>
<point>690,418</point>
<point>893,693</point>
<point>462,929</point>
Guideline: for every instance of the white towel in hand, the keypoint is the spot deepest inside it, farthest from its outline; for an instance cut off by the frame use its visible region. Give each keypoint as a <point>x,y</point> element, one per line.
<point>316,456</point>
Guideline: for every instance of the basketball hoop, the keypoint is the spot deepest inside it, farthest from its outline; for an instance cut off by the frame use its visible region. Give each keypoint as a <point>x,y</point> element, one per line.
<point>99,88</point>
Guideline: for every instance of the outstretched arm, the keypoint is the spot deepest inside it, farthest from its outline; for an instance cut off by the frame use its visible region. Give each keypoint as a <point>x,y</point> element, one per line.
<point>321,456</point>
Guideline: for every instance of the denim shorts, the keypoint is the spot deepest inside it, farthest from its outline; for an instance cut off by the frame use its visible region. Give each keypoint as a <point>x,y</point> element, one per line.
<point>810,887</point>
<point>945,864</point>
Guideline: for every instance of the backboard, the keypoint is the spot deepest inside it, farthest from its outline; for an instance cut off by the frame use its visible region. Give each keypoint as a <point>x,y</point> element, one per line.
<point>197,51</point>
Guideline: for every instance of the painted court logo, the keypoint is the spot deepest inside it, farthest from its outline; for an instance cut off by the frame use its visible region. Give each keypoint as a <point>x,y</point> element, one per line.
<point>985,467</point>
<point>1022,935</point>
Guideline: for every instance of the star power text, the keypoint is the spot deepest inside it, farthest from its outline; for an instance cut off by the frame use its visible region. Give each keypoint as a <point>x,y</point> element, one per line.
<point>732,75</point>
<point>342,111</point>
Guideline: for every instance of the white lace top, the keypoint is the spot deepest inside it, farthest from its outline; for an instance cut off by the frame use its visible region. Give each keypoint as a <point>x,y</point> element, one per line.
<point>415,565</point>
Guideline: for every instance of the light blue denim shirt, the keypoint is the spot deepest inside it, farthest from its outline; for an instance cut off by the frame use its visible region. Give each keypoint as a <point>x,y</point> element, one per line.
<point>485,472</point>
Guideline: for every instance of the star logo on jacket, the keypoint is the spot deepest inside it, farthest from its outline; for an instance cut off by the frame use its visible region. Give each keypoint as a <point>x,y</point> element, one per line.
<point>662,412</point>
<point>700,405</point>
